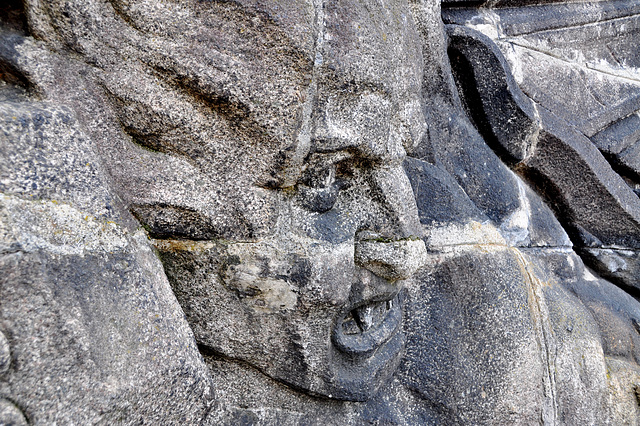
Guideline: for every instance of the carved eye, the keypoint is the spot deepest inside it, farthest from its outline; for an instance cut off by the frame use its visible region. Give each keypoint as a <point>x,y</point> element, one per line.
<point>318,190</point>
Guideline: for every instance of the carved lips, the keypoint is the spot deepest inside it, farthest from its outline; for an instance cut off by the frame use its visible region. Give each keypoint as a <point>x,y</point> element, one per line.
<point>368,326</point>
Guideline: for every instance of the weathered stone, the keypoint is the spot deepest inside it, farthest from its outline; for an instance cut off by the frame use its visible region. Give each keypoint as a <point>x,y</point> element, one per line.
<point>82,294</point>
<point>5,354</point>
<point>303,212</point>
<point>11,415</point>
<point>393,260</point>
<point>592,200</point>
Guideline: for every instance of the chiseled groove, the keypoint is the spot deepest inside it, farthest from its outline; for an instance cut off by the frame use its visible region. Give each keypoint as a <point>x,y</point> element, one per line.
<point>550,54</point>
<point>579,25</point>
<point>629,138</point>
<point>621,111</point>
<point>504,246</point>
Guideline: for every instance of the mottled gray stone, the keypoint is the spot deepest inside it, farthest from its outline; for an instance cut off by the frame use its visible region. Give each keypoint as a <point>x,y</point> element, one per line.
<point>319,212</point>
<point>557,103</point>
<point>5,354</point>
<point>96,333</point>
<point>11,415</point>
<point>462,354</point>
<point>593,201</point>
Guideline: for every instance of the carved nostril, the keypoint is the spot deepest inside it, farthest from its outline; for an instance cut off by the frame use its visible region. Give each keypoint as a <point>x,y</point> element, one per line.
<point>391,259</point>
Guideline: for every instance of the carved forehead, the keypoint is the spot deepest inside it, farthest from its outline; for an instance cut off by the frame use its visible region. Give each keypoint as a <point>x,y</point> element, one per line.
<point>373,42</point>
<point>259,56</point>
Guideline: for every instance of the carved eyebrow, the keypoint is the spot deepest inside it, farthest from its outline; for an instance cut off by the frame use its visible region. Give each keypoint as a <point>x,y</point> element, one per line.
<point>359,86</point>
<point>324,159</point>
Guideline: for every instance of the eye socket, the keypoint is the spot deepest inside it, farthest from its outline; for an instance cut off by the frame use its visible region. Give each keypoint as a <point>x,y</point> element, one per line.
<point>318,190</point>
<point>319,177</point>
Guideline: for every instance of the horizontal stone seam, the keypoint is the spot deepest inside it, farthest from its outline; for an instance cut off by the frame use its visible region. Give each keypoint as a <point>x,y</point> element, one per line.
<point>514,42</point>
<point>577,26</point>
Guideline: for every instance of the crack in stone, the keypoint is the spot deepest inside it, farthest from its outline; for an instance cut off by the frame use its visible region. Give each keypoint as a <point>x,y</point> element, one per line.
<point>544,337</point>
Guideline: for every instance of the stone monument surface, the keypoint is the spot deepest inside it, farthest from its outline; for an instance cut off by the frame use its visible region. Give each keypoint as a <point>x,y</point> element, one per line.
<point>319,212</point>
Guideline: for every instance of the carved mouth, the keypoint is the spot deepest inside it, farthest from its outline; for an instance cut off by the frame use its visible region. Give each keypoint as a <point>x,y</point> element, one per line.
<point>368,326</point>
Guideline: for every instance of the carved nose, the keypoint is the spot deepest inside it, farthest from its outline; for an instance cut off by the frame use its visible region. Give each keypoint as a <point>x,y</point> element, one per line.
<point>391,259</point>
<point>390,186</point>
<point>401,253</point>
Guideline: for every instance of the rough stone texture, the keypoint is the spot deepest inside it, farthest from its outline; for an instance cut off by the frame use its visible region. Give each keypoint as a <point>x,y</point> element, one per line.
<point>5,354</point>
<point>550,112</point>
<point>10,414</point>
<point>82,292</point>
<point>319,212</point>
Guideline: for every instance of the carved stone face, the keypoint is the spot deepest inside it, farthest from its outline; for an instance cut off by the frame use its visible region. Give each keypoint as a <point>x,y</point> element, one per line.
<point>317,304</point>
<point>272,178</point>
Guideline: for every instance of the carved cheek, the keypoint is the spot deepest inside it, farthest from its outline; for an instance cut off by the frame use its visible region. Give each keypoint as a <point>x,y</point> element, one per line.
<point>333,274</point>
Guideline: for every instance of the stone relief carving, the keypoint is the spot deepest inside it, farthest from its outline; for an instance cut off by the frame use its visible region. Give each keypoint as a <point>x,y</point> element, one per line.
<point>248,212</point>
